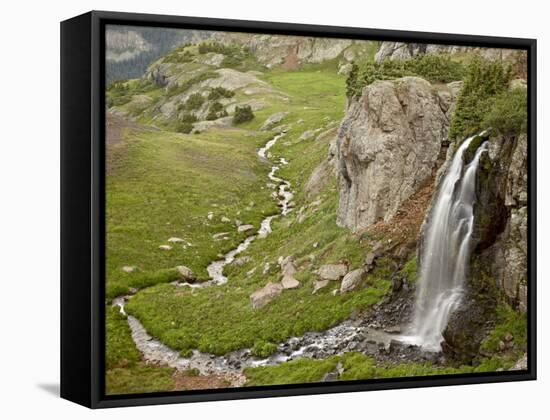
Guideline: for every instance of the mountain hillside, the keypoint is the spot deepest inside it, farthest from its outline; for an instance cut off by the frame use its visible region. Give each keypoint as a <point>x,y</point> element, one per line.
<point>268,203</point>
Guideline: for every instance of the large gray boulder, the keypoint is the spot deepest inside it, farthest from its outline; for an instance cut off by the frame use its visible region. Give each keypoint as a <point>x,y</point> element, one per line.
<point>388,145</point>
<point>266,294</point>
<point>332,271</point>
<point>273,120</point>
<point>353,280</point>
<point>186,273</point>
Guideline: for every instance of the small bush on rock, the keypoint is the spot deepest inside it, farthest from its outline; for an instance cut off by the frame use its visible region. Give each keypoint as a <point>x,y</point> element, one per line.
<point>243,114</point>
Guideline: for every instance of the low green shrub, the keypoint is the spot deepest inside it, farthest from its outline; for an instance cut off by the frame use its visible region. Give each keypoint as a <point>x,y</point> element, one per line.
<point>177,88</point>
<point>484,81</point>
<point>507,112</point>
<point>215,111</point>
<point>242,114</point>
<point>263,348</point>
<point>194,101</point>
<point>220,92</point>
<point>434,68</point>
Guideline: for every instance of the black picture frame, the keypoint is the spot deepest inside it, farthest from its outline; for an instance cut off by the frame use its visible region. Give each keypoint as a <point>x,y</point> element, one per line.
<point>83,207</point>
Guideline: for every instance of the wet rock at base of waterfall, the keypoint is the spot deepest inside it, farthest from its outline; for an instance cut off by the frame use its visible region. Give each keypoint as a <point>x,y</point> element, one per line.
<point>245,228</point>
<point>318,285</point>
<point>186,273</point>
<point>273,120</point>
<point>352,280</point>
<point>175,240</point>
<point>165,247</point>
<point>242,261</point>
<point>468,326</point>
<point>332,271</point>
<point>396,329</point>
<point>266,294</point>
<point>128,269</point>
<point>225,219</point>
<point>289,282</point>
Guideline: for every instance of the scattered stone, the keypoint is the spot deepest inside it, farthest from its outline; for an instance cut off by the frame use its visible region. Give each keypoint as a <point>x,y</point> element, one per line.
<point>318,285</point>
<point>242,261</point>
<point>273,120</point>
<point>210,215</point>
<point>393,330</point>
<point>128,269</point>
<point>300,121</point>
<point>283,128</point>
<point>289,282</point>
<point>332,271</point>
<point>176,240</point>
<point>225,219</point>
<point>238,222</point>
<point>251,271</point>
<point>501,346</point>
<point>335,292</point>
<point>330,377</point>
<point>521,364</point>
<point>266,294</point>
<point>165,247</point>
<point>352,280</point>
<point>370,258</point>
<point>508,337</point>
<point>287,266</point>
<point>316,244</point>
<point>221,235</point>
<point>244,228</point>
<point>186,273</point>
<point>306,135</point>
<point>267,267</point>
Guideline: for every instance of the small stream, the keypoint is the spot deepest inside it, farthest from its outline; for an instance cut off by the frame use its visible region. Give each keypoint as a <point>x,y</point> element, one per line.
<point>283,195</point>
<point>344,337</point>
<point>336,340</point>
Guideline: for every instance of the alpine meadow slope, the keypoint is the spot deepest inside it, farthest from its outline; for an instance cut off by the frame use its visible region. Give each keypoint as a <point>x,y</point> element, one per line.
<point>267,201</point>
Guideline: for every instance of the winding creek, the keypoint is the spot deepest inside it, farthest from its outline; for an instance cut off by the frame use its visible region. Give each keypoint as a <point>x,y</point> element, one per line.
<point>343,337</point>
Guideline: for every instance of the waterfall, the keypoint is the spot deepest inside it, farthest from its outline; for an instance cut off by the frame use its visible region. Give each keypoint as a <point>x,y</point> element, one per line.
<point>445,254</point>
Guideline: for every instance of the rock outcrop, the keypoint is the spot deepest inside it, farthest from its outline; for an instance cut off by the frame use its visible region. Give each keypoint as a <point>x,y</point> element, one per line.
<point>402,51</point>
<point>502,231</point>
<point>388,145</point>
<point>499,260</point>
<point>289,51</point>
<point>266,294</point>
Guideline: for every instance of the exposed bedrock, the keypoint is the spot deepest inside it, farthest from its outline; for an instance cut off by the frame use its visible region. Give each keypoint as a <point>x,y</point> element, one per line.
<point>388,146</point>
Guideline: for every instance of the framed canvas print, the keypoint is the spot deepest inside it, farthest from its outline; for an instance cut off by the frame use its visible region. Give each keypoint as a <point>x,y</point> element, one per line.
<point>255,209</point>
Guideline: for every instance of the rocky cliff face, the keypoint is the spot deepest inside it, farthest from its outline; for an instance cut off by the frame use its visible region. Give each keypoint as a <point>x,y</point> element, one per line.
<point>502,231</point>
<point>403,51</point>
<point>388,145</point>
<point>290,51</point>
<point>499,261</point>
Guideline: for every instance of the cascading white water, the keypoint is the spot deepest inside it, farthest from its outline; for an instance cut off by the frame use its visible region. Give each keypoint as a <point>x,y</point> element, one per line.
<point>446,252</point>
